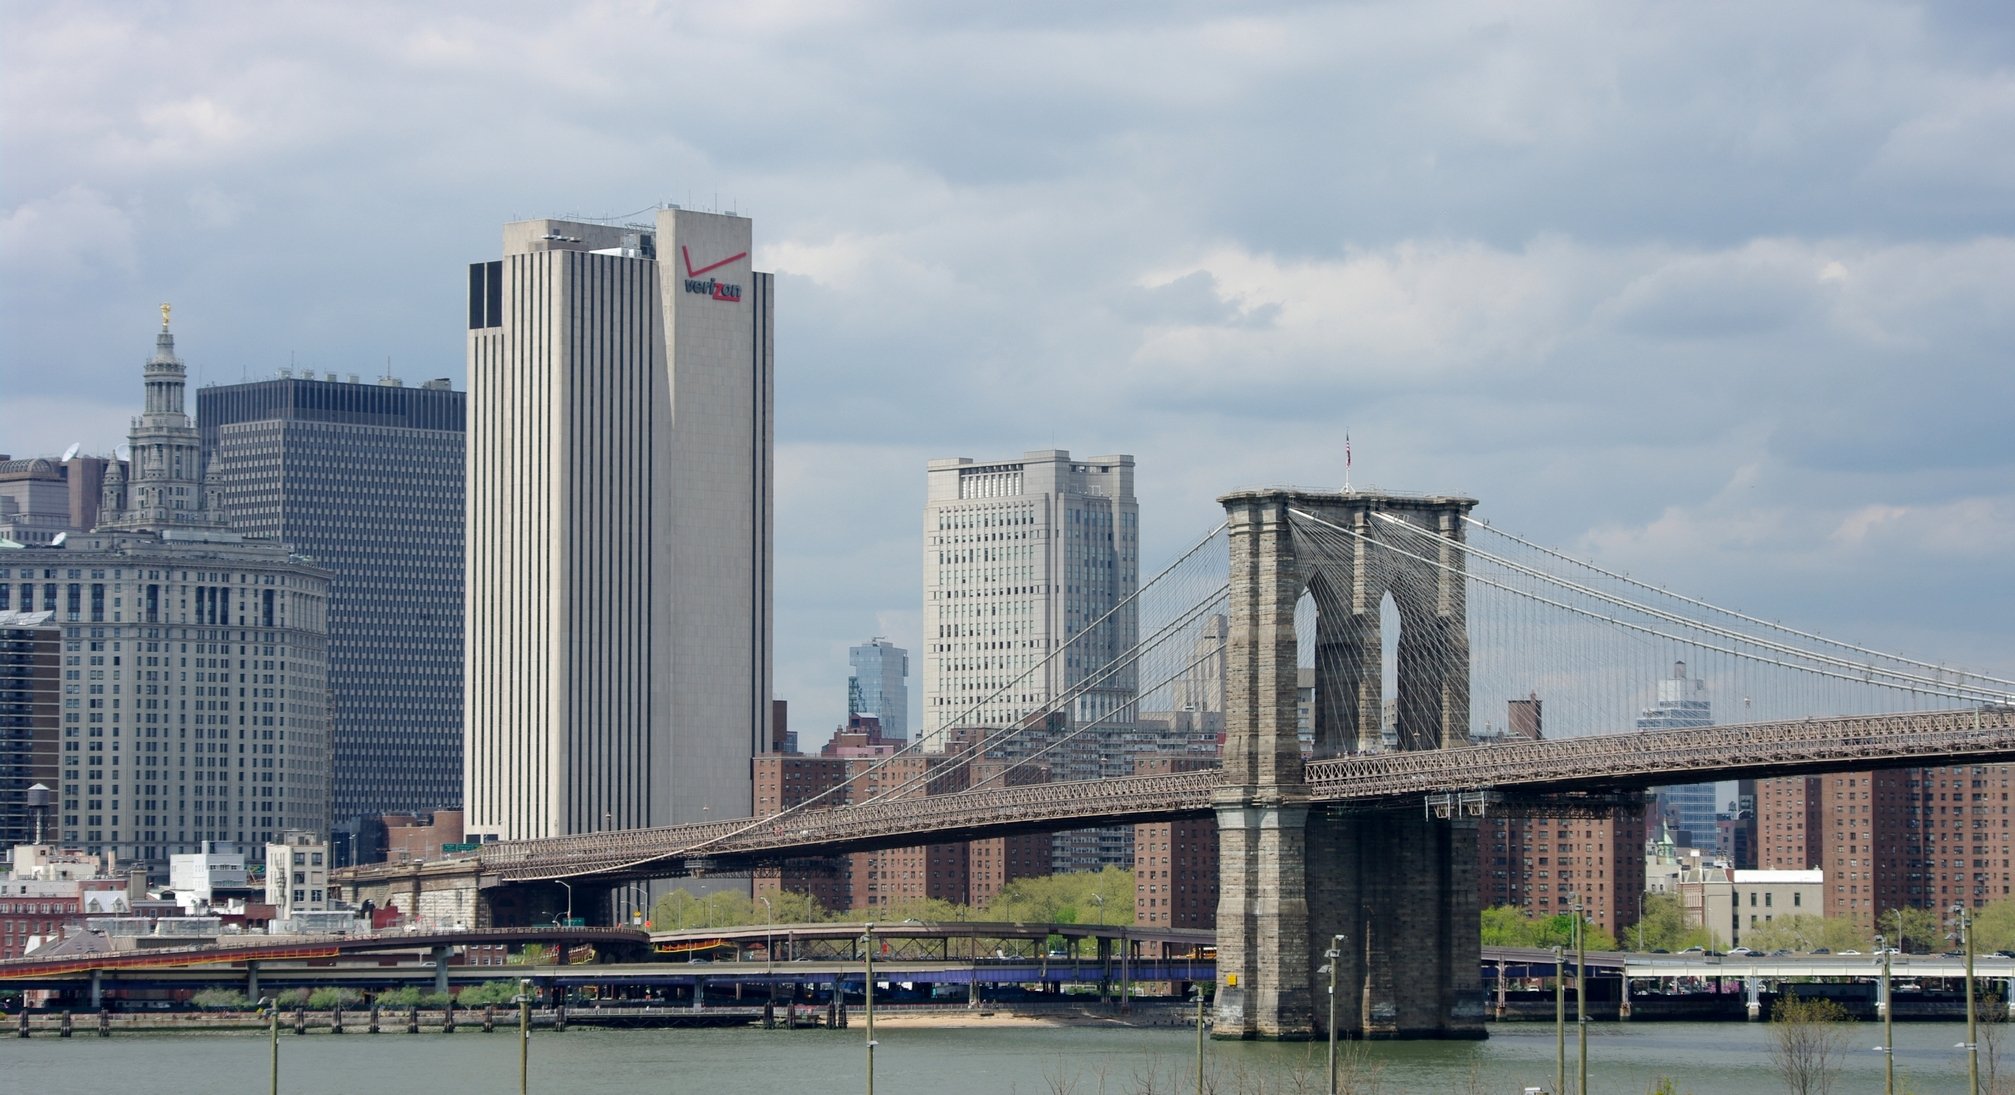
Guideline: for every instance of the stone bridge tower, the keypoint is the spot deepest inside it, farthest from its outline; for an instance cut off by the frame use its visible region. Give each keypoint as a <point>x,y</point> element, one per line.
<point>1398,886</point>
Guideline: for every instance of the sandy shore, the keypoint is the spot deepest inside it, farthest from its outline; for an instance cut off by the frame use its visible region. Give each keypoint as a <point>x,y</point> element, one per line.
<point>967,1019</point>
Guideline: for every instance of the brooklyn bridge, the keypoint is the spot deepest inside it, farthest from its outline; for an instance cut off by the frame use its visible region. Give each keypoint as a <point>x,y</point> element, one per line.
<point>1349,641</point>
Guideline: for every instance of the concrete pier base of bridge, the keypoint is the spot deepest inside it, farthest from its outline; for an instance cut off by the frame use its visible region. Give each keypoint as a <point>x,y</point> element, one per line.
<point>1398,888</point>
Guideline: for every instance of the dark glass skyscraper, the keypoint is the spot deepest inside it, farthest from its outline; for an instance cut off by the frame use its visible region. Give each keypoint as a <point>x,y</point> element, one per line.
<point>366,479</point>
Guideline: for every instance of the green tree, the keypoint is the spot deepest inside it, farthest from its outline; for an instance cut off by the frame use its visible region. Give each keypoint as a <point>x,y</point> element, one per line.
<point>929,910</point>
<point>1506,926</point>
<point>219,1000</point>
<point>727,909</point>
<point>789,907</point>
<point>1664,925</point>
<point>1993,927</point>
<point>1802,932</point>
<point>330,997</point>
<point>1082,897</point>
<point>487,993</point>
<point>1917,931</point>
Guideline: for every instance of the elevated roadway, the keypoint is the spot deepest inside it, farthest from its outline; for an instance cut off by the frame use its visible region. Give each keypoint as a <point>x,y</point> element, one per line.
<point>1559,770</point>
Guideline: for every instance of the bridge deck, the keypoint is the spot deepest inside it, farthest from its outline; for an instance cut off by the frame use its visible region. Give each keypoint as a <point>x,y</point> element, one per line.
<point>1369,781</point>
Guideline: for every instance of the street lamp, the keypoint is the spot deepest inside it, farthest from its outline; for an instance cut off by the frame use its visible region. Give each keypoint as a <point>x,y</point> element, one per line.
<point>1335,956</point>
<point>570,900</point>
<point>769,920</point>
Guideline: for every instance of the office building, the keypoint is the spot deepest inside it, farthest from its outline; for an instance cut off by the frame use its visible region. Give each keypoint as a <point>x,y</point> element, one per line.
<point>297,875</point>
<point>1682,704</point>
<point>366,480</point>
<point>1025,562</point>
<point>879,685</point>
<point>30,734</point>
<point>195,674</point>
<point>1735,904</point>
<point>42,498</point>
<point>618,536</point>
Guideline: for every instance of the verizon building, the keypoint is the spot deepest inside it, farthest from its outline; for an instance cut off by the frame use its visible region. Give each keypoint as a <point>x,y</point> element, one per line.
<point>618,614</point>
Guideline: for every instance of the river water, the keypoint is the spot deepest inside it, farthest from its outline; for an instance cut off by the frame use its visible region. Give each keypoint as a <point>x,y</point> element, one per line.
<point>1625,1058</point>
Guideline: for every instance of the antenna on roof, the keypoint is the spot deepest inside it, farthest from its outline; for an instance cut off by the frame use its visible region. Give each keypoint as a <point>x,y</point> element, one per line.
<point>70,453</point>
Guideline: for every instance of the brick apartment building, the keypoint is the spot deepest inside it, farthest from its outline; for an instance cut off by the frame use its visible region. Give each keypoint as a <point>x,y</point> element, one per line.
<point>860,768</point>
<point>1175,862</point>
<point>1918,837</point>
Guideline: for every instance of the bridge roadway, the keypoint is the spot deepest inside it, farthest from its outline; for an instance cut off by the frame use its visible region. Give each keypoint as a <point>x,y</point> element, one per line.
<point>1561,768</point>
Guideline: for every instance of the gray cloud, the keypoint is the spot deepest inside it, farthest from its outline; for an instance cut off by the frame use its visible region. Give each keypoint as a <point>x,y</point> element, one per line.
<point>1719,296</point>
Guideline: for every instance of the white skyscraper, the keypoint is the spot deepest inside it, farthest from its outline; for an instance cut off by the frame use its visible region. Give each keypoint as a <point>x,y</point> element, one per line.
<point>879,685</point>
<point>618,593</point>
<point>1020,556</point>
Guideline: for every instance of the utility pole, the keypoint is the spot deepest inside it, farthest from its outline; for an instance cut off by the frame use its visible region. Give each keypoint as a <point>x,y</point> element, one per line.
<point>1965,918</point>
<point>1581,995</point>
<point>524,1035</point>
<point>1559,1021</point>
<point>868,947</point>
<point>272,1006</point>
<point>1199,1038</point>
<point>1888,1023</point>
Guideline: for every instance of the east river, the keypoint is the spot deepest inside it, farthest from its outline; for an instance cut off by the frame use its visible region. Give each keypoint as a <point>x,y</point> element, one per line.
<point>1624,1058</point>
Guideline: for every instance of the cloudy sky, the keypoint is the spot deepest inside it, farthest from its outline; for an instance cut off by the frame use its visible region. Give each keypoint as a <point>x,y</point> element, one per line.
<point>1719,294</point>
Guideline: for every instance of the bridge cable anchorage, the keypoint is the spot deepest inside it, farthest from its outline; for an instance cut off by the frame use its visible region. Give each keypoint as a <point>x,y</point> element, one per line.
<point>1035,673</point>
<point>1829,666</point>
<point>1744,617</point>
<point>1933,684</point>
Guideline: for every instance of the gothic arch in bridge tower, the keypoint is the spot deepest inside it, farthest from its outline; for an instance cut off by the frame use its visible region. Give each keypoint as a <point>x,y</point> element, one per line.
<point>1397,887</point>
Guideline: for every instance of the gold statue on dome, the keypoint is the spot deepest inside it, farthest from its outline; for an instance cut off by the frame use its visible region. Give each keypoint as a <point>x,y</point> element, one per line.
<point>164,315</point>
